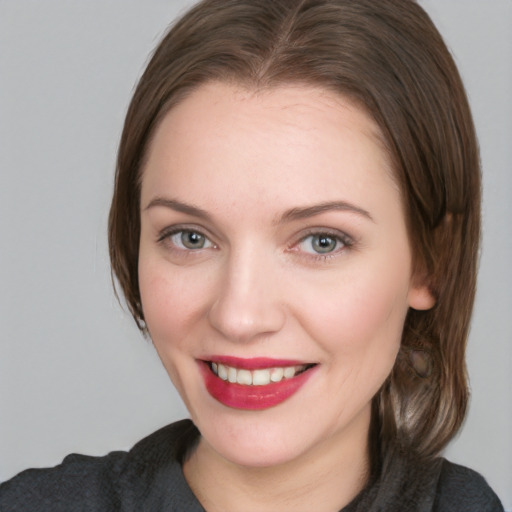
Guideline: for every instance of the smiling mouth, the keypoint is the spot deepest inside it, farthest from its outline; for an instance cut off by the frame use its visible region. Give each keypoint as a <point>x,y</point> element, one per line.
<point>253,384</point>
<point>257,377</point>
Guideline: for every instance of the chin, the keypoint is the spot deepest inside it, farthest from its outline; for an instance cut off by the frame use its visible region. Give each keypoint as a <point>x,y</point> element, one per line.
<point>255,446</point>
<point>258,439</point>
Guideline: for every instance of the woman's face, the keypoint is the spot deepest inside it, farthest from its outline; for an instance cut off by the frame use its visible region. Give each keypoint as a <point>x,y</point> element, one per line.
<point>274,267</point>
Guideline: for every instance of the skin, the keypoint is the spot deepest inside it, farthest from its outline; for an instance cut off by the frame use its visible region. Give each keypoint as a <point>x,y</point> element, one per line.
<point>259,288</point>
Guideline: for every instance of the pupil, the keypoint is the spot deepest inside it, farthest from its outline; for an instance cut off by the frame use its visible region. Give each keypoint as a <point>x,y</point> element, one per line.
<point>324,244</point>
<point>192,240</point>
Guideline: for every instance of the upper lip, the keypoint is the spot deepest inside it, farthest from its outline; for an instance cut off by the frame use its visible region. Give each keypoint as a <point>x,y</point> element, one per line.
<point>253,363</point>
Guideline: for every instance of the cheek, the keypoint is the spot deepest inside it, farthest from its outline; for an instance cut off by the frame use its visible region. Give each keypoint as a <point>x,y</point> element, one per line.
<point>173,307</point>
<point>171,302</point>
<point>359,321</point>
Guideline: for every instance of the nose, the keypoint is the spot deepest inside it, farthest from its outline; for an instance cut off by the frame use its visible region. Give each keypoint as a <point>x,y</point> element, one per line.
<point>248,303</point>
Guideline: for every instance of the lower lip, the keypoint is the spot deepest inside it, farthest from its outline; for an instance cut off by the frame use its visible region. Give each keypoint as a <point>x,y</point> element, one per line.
<point>252,398</point>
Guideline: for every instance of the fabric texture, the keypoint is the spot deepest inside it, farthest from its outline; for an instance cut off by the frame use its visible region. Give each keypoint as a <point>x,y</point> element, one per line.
<point>149,478</point>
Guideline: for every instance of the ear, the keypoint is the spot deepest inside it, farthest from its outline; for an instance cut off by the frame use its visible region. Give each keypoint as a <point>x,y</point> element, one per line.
<point>420,294</point>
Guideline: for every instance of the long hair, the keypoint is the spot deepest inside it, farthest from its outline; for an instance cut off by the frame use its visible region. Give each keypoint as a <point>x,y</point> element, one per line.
<point>388,58</point>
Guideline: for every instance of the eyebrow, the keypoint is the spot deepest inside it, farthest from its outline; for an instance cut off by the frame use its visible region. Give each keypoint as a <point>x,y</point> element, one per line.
<point>317,209</point>
<point>178,206</point>
<point>288,216</point>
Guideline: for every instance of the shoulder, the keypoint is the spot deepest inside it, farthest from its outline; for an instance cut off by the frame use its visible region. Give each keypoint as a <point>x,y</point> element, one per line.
<point>408,482</point>
<point>462,489</point>
<point>117,480</point>
<point>79,479</point>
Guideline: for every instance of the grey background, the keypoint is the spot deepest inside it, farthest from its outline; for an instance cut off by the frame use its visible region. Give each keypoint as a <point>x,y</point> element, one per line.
<point>75,375</point>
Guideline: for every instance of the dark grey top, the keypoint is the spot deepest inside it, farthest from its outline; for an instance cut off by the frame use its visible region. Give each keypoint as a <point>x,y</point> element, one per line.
<point>149,478</point>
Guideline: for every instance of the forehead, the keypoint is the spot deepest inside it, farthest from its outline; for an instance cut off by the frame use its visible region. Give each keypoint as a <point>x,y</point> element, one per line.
<point>286,102</point>
<point>294,138</point>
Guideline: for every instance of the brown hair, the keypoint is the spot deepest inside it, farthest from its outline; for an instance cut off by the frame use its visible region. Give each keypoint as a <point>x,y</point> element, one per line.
<point>388,57</point>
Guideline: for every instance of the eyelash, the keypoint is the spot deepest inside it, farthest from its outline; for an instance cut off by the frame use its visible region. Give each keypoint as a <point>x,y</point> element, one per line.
<point>166,235</point>
<point>340,239</point>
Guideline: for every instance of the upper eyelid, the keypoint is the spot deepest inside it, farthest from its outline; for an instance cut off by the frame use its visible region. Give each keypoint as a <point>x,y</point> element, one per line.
<point>347,243</point>
<point>166,235</point>
<point>177,228</point>
<point>341,235</point>
<point>335,233</point>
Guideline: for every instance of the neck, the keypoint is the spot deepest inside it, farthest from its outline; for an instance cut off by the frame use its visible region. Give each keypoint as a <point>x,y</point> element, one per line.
<point>324,479</point>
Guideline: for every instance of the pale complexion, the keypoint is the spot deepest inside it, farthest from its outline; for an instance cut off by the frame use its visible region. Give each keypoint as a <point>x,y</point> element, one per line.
<point>271,226</point>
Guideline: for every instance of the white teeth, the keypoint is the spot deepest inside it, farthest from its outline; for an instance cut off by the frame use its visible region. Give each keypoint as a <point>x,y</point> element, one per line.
<point>222,372</point>
<point>232,375</point>
<point>289,372</point>
<point>244,377</point>
<point>277,374</point>
<point>260,377</point>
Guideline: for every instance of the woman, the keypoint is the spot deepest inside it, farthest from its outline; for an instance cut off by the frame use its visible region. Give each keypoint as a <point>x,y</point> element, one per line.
<point>295,225</point>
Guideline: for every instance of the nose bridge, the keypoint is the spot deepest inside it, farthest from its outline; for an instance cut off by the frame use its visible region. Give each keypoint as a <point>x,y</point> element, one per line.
<point>247,303</point>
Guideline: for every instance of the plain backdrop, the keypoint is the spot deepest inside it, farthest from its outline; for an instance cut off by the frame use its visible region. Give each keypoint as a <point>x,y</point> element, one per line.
<point>75,374</point>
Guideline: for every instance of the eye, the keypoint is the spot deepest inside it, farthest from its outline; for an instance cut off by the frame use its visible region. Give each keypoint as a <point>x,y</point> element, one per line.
<point>323,243</point>
<point>187,239</point>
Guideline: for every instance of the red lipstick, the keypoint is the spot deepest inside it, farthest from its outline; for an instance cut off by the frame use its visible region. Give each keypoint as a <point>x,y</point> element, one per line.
<point>254,363</point>
<point>252,397</point>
